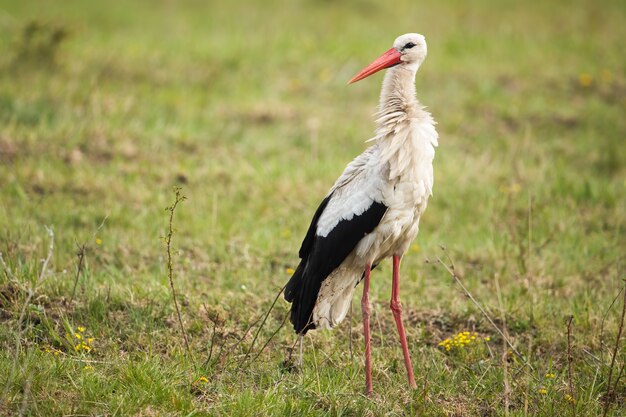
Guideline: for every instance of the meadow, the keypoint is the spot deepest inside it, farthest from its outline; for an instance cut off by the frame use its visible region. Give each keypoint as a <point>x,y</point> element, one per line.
<point>105,108</point>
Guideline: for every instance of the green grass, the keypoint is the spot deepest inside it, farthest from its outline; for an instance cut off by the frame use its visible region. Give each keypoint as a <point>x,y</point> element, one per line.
<point>105,107</point>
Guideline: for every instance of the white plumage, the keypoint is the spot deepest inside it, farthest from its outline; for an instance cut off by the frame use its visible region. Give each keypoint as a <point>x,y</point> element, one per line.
<point>405,191</point>
<point>396,171</point>
<point>372,212</point>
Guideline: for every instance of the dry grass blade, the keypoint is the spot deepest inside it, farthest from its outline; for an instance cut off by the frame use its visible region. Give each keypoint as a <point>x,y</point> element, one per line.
<point>505,366</point>
<point>256,335</point>
<point>7,269</point>
<point>292,348</point>
<point>606,314</point>
<point>610,389</point>
<point>25,395</point>
<point>233,348</point>
<point>619,376</point>
<point>238,342</point>
<point>210,355</point>
<point>20,320</point>
<point>269,339</point>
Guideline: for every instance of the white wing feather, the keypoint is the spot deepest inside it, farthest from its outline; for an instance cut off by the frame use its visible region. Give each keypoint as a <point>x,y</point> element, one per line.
<point>354,191</point>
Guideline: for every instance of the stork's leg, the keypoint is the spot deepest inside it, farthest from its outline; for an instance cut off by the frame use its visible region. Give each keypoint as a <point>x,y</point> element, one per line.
<point>365,308</point>
<point>300,357</point>
<point>396,309</point>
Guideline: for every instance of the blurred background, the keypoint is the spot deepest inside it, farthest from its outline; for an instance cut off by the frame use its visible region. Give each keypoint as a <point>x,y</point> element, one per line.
<point>104,107</point>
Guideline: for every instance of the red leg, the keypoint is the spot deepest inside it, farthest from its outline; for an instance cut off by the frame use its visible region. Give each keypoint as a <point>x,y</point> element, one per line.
<point>396,308</point>
<point>365,308</point>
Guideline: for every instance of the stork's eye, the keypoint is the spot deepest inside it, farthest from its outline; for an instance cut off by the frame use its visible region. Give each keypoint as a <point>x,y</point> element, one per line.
<point>409,45</point>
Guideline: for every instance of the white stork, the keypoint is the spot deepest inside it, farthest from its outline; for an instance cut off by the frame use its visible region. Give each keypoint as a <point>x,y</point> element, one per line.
<point>373,210</point>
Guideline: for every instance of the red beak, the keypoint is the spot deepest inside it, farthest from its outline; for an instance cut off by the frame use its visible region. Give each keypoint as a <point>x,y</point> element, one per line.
<point>386,60</point>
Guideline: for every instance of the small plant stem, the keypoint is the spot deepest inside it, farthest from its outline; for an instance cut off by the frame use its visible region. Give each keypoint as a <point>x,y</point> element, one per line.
<point>610,390</point>
<point>81,256</point>
<point>170,269</point>
<point>570,361</point>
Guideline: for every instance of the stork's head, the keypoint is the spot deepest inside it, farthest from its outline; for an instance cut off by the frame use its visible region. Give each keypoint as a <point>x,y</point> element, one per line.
<point>409,51</point>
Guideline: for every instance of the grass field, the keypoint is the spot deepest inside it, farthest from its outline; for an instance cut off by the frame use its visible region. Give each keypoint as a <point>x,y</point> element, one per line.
<point>105,107</point>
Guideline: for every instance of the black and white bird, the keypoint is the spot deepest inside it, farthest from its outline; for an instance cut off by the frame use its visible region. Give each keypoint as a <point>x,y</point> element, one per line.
<point>373,210</point>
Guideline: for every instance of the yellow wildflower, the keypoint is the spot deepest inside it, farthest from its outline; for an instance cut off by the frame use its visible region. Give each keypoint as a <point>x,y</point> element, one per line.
<point>88,368</point>
<point>459,340</point>
<point>82,346</point>
<point>98,241</point>
<point>90,340</point>
<point>203,379</point>
<point>550,375</point>
<point>543,391</point>
<point>290,271</point>
<point>510,189</point>
<point>585,80</point>
<point>81,329</point>
<point>52,350</point>
<point>569,398</point>
<point>78,336</point>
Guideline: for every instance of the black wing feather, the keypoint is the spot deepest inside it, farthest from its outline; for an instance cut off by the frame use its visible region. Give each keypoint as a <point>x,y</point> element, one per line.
<point>307,243</point>
<point>321,256</point>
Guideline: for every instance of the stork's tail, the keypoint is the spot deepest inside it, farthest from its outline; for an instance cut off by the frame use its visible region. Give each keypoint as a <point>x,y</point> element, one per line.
<point>320,306</point>
<point>302,294</point>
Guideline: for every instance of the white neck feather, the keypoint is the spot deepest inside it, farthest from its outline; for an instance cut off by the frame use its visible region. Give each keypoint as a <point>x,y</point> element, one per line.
<point>398,103</point>
<point>405,131</point>
<point>398,91</point>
